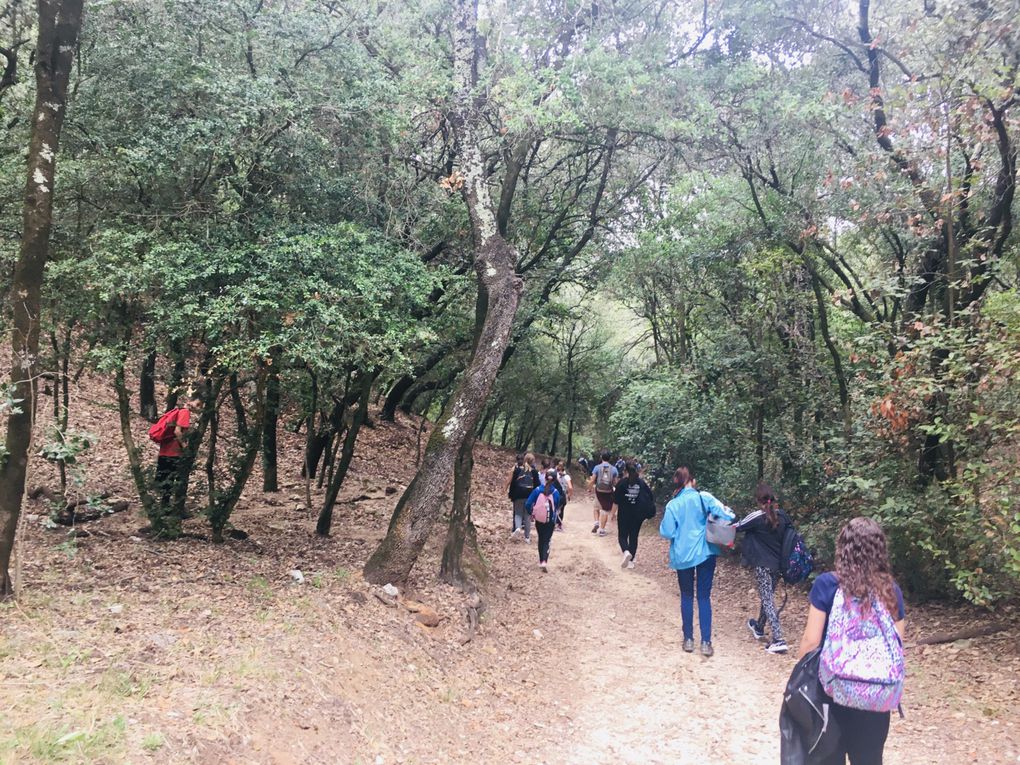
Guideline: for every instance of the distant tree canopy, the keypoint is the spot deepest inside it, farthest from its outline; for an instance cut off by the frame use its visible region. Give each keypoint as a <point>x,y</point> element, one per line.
<point>804,208</point>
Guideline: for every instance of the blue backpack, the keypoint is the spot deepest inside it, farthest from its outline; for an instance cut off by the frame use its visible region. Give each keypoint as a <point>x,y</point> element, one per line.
<point>795,559</point>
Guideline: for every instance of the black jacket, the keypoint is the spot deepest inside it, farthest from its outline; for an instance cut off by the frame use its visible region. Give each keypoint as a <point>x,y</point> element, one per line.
<point>634,500</point>
<point>762,543</point>
<point>515,492</point>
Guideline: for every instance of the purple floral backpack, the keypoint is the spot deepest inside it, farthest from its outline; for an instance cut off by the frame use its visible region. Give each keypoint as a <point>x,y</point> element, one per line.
<point>861,664</point>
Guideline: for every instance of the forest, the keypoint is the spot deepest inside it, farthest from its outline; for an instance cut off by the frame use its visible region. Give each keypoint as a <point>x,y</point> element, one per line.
<point>770,239</point>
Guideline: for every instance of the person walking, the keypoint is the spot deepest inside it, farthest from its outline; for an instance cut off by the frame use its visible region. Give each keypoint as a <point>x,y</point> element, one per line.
<point>523,480</point>
<point>691,555</point>
<point>857,611</point>
<point>567,484</point>
<point>541,505</point>
<point>763,541</point>
<point>175,423</point>
<point>585,464</point>
<point>603,477</point>
<point>635,503</point>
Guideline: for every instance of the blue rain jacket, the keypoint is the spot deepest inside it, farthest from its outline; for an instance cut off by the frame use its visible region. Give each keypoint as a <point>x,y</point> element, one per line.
<point>683,523</point>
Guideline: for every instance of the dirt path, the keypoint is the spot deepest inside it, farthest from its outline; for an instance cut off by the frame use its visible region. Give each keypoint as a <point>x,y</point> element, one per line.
<point>630,694</point>
<point>624,691</point>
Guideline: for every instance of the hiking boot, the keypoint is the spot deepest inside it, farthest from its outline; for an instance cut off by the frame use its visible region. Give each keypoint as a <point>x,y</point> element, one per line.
<point>626,559</point>
<point>757,631</point>
<point>706,649</point>
<point>595,529</point>
<point>689,645</point>
<point>777,646</point>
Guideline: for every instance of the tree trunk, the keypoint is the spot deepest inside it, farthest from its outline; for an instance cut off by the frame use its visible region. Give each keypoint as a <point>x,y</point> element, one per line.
<point>134,454</point>
<point>759,439</point>
<point>176,378</point>
<point>269,471</point>
<point>495,263</point>
<point>555,439</point>
<point>147,388</point>
<point>322,528</point>
<point>249,435</point>
<point>492,429</point>
<point>570,440</point>
<point>460,534</point>
<point>837,360</point>
<point>394,397</point>
<point>506,429</point>
<point>59,24</point>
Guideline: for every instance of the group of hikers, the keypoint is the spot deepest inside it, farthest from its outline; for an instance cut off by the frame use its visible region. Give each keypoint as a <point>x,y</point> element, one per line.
<point>850,669</point>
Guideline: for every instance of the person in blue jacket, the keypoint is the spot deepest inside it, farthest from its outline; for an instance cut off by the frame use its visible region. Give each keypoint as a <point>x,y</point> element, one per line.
<point>691,555</point>
<point>545,529</point>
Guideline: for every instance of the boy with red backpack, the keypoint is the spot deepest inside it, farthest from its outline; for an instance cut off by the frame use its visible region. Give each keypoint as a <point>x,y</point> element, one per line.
<point>169,432</point>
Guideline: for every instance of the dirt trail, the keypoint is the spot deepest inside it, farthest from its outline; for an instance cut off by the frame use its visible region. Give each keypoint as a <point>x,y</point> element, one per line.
<point>631,694</point>
<point>625,692</point>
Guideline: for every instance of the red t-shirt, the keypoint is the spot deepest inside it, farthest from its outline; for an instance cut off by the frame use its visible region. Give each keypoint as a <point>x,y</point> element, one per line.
<point>172,448</point>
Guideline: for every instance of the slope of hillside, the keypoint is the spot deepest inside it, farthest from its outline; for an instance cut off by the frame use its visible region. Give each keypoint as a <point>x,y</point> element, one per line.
<point>122,649</point>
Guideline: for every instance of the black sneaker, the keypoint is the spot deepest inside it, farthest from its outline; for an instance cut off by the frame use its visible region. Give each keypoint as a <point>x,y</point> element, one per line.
<point>777,646</point>
<point>757,631</point>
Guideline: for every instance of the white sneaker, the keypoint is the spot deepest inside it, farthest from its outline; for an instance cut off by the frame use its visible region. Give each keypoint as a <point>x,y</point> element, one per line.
<point>626,559</point>
<point>517,533</point>
<point>544,566</point>
<point>602,532</point>
<point>630,564</point>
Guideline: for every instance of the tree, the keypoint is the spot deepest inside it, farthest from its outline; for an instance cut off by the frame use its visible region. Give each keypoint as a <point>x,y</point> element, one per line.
<point>59,24</point>
<point>499,292</point>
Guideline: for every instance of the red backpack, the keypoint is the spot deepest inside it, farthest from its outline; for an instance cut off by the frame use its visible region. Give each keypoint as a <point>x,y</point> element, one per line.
<point>163,429</point>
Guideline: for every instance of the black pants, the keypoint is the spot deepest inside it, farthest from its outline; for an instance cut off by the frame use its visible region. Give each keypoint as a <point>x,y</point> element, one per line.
<point>545,532</point>
<point>628,524</point>
<point>862,736</point>
<point>166,477</point>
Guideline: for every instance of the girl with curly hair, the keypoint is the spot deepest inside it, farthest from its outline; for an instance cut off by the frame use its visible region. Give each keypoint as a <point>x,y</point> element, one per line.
<point>864,576</point>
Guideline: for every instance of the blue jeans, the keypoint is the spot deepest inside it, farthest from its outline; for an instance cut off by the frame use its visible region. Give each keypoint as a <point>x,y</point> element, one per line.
<point>686,577</point>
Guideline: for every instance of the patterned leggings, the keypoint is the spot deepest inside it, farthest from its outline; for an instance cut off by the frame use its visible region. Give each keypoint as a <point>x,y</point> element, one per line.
<point>767,592</point>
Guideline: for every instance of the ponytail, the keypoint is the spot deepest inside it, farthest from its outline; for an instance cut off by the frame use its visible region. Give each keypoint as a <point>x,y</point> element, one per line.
<point>767,501</point>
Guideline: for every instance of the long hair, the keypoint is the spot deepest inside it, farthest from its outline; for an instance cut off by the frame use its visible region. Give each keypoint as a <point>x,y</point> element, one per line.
<point>767,502</point>
<point>681,478</point>
<point>862,564</point>
<point>632,474</point>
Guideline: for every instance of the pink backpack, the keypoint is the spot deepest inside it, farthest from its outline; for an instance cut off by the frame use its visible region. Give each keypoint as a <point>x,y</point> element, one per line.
<point>544,509</point>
